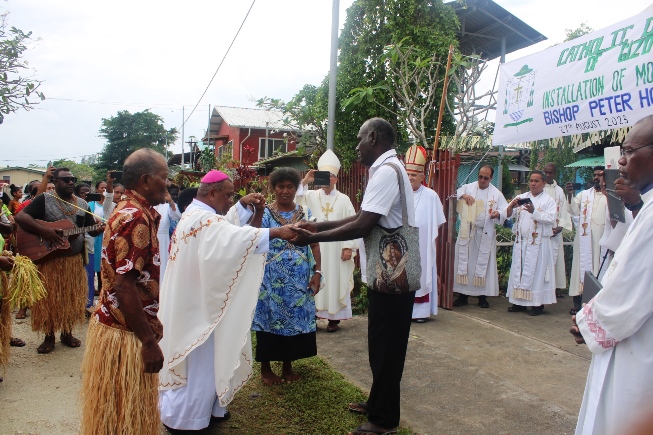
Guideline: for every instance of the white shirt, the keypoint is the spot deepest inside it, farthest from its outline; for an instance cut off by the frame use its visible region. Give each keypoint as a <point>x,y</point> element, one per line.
<point>382,192</point>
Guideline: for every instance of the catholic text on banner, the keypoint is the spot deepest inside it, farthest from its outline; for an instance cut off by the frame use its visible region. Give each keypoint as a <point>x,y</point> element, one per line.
<point>600,81</point>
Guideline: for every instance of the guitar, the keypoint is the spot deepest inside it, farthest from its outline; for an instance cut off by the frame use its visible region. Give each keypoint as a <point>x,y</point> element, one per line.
<point>38,249</point>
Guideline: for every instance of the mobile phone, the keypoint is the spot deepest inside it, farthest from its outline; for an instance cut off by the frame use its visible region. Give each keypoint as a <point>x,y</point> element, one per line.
<point>522,201</point>
<point>117,176</point>
<point>93,197</point>
<point>322,179</point>
<point>577,186</point>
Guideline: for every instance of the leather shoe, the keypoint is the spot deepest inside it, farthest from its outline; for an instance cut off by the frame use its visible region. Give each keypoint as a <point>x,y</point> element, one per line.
<point>225,417</point>
<point>419,320</point>
<point>460,301</point>
<point>516,308</point>
<point>483,303</point>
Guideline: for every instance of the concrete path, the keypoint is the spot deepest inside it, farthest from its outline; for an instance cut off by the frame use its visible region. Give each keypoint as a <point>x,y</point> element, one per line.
<point>478,371</point>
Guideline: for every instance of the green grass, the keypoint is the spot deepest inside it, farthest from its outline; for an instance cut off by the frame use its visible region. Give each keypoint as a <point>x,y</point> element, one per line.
<point>317,404</point>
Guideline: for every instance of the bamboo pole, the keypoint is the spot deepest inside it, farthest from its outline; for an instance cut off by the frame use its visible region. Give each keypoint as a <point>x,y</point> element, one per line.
<point>442,102</point>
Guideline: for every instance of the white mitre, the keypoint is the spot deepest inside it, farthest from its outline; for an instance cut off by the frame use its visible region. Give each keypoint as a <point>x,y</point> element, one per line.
<point>329,162</point>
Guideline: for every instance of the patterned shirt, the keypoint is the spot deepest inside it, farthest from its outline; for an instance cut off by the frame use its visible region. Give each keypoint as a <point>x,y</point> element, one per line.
<point>130,243</point>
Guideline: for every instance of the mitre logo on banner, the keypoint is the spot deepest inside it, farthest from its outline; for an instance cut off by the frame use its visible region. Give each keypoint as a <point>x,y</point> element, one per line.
<point>519,96</point>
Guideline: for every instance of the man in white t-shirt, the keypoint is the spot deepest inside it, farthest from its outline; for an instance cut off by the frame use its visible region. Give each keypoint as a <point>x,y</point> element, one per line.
<point>389,315</point>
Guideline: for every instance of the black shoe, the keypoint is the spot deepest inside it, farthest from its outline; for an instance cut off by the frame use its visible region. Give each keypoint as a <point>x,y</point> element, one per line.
<point>516,308</point>
<point>218,420</point>
<point>419,320</point>
<point>460,301</point>
<point>482,302</point>
<point>535,311</point>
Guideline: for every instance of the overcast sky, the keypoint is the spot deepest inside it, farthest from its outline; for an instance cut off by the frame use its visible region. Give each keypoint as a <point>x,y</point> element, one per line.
<point>98,57</point>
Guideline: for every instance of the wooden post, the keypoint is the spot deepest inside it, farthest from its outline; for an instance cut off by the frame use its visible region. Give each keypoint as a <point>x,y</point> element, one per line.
<point>442,101</point>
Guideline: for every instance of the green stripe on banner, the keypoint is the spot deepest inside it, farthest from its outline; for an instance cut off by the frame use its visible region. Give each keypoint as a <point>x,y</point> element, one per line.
<point>515,124</point>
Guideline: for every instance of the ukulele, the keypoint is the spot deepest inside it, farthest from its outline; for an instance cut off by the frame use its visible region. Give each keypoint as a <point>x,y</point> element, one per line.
<point>37,249</point>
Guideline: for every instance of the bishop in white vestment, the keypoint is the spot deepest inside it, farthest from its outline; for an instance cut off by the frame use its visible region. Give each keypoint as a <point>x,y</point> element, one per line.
<point>333,302</point>
<point>531,281</point>
<point>207,301</point>
<point>617,324</point>
<point>590,206</point>
<point>563,222</point>
<point>429,215</point>
<point>480,206</point>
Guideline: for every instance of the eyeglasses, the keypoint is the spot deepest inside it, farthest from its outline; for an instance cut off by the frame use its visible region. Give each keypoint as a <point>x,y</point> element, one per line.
<point>632,150</point>
<point>66,179</point>
<point>482,177</point>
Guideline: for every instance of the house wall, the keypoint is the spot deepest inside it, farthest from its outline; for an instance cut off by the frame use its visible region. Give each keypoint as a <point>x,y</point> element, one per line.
<point>238,135</point>
<point>20,176</point>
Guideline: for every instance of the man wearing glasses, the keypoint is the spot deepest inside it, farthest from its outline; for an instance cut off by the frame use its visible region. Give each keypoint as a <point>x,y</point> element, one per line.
<point>617,324</point>
<point>590,207</point>
<point>63,275</point>
<point>481,206</point>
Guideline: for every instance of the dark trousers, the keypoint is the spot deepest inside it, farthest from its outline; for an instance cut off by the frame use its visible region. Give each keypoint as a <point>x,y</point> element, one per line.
<point>389,319</point>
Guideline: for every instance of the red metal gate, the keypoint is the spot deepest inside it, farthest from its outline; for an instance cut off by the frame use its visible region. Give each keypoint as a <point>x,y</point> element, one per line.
<point>443,175</point>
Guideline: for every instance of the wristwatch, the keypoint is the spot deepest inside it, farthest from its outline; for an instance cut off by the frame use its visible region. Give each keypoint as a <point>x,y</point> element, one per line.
<point>634,207</point>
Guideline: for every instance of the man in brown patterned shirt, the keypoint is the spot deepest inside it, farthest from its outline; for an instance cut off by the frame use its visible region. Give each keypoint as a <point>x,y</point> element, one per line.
<point>123,357</point>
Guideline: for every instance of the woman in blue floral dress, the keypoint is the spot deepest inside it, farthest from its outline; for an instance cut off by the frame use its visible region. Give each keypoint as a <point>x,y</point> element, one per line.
<point>284,320</point>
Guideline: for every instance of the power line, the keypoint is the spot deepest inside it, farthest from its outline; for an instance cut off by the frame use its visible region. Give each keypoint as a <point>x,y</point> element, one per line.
<point>171,106</point>
<point>218,69</point>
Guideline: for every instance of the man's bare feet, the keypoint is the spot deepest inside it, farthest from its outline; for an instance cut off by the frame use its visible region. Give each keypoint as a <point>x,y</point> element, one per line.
<point>22,313</point>
<point>288,374</point>
<point>68,339</point>
<point>48,344</point>
<point>268,376</point>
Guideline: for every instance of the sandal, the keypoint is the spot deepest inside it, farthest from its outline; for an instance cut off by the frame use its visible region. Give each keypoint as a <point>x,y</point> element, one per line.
<point>359,407</point>
<point>573,311</point>
<point>16,342</point>
<point>45,347</point>
<point>20,315</point>
<point>365,429</point>
<point>69,340</point>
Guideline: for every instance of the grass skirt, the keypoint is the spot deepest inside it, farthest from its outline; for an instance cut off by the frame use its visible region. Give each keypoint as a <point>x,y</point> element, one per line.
<point>5,319</point>
<point>118,397</point>
<point>65,280</point>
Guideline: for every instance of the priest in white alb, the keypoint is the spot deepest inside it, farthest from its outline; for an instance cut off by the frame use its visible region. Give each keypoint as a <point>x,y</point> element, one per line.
<point>207,301</point>
<point>429,215</point>
<point>480,207</point>
<point>590,206</point>
<point>563,222</point>
<point>333,302</point>
<point>532,280</point>
<point>617,324</point>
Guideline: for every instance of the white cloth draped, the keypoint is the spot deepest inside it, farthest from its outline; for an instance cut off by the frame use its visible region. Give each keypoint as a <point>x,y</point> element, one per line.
<point>163,233</point>
<point>483,229</point>
<point>209,292</point>
<point>562,220</point>
<point>587,249</point>
<point>617,326</point>
<point>429,215</point>
<point>532,256</point>
<point>333,302</point>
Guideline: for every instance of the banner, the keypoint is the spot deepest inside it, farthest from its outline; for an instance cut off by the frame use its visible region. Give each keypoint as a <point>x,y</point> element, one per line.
<point>600,81</point>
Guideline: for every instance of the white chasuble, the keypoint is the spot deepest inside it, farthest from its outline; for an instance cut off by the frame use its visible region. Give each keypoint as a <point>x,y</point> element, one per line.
<point>590,206</point>
<point>531,282</point>
<point>210,291</point>
<point>429,215</point>
<point>562,220</point>
<point>617,326</point>
<point>475,250</point>
<point>333,302</point>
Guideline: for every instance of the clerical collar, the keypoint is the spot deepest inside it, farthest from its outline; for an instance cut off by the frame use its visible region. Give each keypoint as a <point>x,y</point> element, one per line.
<point>200,205</point>
<point>647,189</point>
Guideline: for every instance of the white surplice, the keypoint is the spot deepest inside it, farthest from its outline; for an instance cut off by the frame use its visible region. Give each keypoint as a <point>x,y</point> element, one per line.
<point>163,234</point>
<point>333,302</point>
<point>483,229</point>
<point>429,215</point>
<point>562,220</point>
<point>531,249</point>
<point>594,229</point>
<point>207,301</point>
<point>617,326</point>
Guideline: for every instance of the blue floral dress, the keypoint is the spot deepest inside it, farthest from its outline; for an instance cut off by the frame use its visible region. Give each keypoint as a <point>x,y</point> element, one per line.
<point>285,305</point>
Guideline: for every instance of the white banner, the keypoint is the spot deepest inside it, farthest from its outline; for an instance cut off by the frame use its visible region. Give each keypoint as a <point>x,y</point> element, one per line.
<point>600,81</point>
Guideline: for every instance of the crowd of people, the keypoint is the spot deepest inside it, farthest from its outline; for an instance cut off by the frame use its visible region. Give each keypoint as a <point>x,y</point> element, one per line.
<point>183,277</point>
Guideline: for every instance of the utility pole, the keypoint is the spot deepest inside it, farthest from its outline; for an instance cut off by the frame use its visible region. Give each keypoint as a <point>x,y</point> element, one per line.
<point>183,137</point>
<point>333,73</point>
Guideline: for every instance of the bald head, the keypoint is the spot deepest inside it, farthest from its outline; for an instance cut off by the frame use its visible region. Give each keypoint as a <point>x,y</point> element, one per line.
<point>375,137</point>
<point>636,163</point>
<point>550,170</point>
<point>145,161</point>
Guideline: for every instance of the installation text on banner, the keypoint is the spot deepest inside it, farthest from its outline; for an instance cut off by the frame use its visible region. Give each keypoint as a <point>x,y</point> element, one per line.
<point>600,81</point>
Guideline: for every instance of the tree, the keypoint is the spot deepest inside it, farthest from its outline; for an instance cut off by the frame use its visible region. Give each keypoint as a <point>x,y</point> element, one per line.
<point>17,91</point>
<point>82,171</point>
<point>581,30</point>
<point>371,26</point>
<point>127,132</point>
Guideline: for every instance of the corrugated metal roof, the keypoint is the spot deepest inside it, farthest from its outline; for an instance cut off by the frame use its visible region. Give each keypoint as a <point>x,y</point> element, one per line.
<point>588,162</point>
<point>251,118</point>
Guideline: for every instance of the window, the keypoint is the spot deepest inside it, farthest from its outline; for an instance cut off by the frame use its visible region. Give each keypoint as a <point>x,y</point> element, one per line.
<point>272,146</point>
<point>226,150</point>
